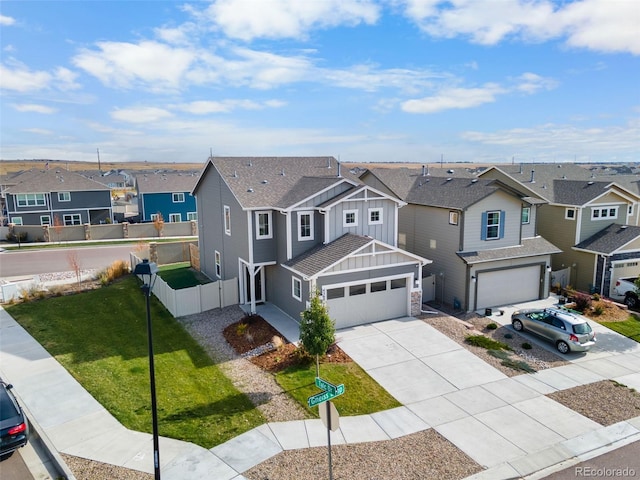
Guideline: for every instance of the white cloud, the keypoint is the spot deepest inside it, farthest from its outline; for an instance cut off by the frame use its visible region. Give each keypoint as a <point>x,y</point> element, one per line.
<point>453,98</point>
<point>7,21</point>
<point>601,25</point>
<point>140,114</point>
<point>19,78</point>
<point>204,107</point>
<point>249,19</point>
<point>530,83</point>
<point>122,64</point>
<point>567,140</point>
<point>39,131</point>
<point>32,107</point>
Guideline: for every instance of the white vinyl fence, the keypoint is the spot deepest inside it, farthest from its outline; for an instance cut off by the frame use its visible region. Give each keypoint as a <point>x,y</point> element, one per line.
<point>188,301</point>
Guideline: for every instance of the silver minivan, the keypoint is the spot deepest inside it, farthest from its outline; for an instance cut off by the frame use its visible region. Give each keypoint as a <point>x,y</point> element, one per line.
<point>568,331</point>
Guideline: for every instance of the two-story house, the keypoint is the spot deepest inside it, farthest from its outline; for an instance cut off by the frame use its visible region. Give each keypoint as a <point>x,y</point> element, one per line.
<point>480,234</point>
<point>288,227</point>
<point>586,216</point>
<point>57,197</point>
<point>168,195</point>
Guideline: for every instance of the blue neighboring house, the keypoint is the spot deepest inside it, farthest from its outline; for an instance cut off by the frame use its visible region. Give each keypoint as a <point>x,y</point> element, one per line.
<point>166,194</point>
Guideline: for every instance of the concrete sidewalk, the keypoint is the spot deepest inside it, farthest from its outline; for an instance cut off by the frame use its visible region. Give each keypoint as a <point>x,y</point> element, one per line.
<point>505,424</point>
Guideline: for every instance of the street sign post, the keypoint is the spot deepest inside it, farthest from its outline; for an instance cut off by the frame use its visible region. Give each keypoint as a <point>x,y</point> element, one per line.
<point>330,391</point>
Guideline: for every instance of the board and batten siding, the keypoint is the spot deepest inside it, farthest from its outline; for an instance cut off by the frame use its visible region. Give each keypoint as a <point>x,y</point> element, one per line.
<point>384,232</point>
<point>512,218</point>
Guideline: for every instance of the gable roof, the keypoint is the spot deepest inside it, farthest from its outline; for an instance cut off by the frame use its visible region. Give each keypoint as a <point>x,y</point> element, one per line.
<point>401,180</point>
<point>530,247</point>
<point>277,182</point>
<point>608,240</point>
<point>44,181</point>
<point>165,182</point>
<point>322,257</point>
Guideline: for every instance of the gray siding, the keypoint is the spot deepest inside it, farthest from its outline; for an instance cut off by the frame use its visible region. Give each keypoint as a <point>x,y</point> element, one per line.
<point>299,247</point>
<point>212,195</point>
<point>589,227</point>
<point>501,201</point>
<point>279,291</point>
<point>264,249</point>
<point>384,232</point>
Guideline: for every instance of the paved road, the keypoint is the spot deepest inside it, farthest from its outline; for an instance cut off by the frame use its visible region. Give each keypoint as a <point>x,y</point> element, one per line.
<point>14,468</point>
<point>14,263</point>
<point>621,463</point>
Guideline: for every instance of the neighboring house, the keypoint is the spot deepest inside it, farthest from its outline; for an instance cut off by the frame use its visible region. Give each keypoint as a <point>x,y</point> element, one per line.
<point>57,197</point>
<point>288,227</point>
<point>581,216</point>
<point>166,194</point>
<point>480,234</point>
<point>114,179</point>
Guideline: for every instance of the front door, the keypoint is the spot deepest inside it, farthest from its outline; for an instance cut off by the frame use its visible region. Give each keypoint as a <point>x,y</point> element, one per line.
<point>257,281</point>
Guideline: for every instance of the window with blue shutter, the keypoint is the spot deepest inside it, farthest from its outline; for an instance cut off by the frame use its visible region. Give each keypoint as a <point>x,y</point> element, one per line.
<point>492,225</point>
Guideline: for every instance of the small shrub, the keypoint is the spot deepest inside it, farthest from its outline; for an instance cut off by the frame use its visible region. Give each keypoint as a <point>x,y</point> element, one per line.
<point>486,342</point>
<point>582,301</point>
<point>508,335</point>
<point>518,365</point>
<point>277,341</point>
<point>526,346</point>
<point>249,337</point>
<point>598,309</point>
<point>501,354</point>
<point>241,329</point>
<point>114,271</point>
<point>596,297</point>
<point>492,326</point>
<point>56,290</point>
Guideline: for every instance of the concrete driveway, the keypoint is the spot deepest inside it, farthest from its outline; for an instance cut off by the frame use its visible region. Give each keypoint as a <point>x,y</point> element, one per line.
<point>506,424</point>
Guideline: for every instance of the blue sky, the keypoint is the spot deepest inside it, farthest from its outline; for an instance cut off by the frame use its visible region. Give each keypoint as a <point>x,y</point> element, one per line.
<point>365,81</point>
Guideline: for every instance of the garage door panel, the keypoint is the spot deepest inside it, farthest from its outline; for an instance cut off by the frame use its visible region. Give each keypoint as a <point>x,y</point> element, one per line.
<point>504,287</point>
<point>375,306</point>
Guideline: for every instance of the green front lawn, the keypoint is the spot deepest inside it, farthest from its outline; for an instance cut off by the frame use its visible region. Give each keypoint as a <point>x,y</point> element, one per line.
<point>101,338</point>
<point>362,394</point>
<point>629,328</point>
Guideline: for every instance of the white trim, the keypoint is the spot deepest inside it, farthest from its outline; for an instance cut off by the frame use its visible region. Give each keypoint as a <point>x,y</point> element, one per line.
<point>226,219</point>
<point>570,209</point>
<point>66,196</point>
<point>311,236</point>
<point>269,224</point>
<point>173,197</point>
<point>604,209</point>
<point>345,224</point>
<point>380,220</point>
<point>172,217</point>
<point>294,281</point>
<point>454,217</point>
<point>217,261</point>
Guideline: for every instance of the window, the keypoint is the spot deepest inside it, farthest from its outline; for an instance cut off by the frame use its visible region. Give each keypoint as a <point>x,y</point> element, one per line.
<point>398,283</point>
<point>72,219</point>
<point>357,290</point>
<point>218,264</point>
<point>64,196</point>
<point>350,218</point>
<point>604,213</point>
<point>178,197</point>
<point>192,216</point>
<point>45,220</point>
<point>296,288</point>
<point>375,216</point>
<point>378,286</point>
<point>570,214</point>
<point>630,209</point>
<point>305,226</point>
<point>30,199</point>
<point>492,225</point>
<point>16,220</point>
<point>335,293</point>
<point>526,215</point>
<point>263,225</point>
<point>155,216</point>
<point>453,218</point>
<point>175,217</point>
<point>227,220</point>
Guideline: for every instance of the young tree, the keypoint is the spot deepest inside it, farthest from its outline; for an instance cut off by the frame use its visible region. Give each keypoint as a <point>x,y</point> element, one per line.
<point>317,330</point>
<point>158,223</point>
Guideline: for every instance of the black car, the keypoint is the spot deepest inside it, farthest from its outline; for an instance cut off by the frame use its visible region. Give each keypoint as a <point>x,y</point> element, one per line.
<point>14,431</point>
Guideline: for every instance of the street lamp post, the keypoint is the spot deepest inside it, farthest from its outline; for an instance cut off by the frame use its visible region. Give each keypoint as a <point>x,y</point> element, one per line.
<point>148,271</point>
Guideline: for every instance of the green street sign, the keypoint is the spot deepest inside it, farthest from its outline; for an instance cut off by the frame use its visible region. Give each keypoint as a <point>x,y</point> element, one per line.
<point>330,391</point>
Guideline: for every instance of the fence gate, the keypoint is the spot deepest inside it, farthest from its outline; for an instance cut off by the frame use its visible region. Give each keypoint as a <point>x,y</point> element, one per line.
<point>428,288</point>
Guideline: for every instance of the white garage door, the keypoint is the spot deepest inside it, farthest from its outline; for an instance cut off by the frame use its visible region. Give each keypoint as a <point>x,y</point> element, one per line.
<point>628,268</point>
<point>504,287</point>
<point>367,302</point>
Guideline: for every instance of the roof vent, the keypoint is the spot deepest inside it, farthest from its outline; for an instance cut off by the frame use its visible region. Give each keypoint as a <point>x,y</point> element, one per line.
<point>282,172</point>
<point>265,181</point>
<point>235,174</point>
<point>533,176</point>
<point>450,171</point>
<point>424,170</point>
<point>250,190</point>
<point>329,162</point>
<point>622,227</point>
<point>475,180</point>
<point>449,179</point>
<point>589,182</point>
<point>250,164</point>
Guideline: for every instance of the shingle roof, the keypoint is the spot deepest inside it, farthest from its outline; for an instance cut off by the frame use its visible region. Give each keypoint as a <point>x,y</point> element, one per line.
<point>263,182</point>
<point>530,247</point>
<point>55,180</point>
<point>321,257</point>
<point>401,180</point>
<point>166,182</point>
<point>610,239</point>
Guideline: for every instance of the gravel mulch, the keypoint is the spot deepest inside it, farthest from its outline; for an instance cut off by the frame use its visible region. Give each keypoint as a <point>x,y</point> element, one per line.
<point>421,456</point>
